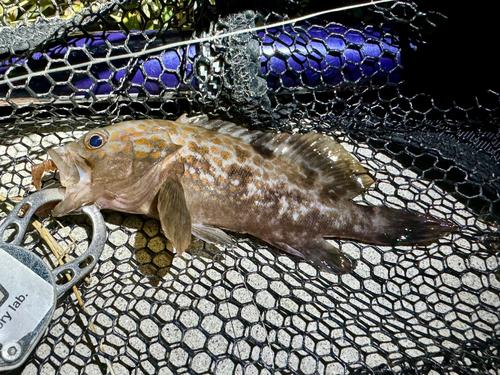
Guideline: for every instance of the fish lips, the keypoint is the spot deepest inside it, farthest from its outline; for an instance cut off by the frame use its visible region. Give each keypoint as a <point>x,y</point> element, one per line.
<point>75,176</point>
<point>68,171</point>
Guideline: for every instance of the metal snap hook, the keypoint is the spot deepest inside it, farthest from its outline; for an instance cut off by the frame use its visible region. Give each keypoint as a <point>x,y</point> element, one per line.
<point>28,289</point>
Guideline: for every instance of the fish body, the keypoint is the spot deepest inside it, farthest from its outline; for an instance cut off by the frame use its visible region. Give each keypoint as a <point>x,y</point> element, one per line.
<point>199,177</point>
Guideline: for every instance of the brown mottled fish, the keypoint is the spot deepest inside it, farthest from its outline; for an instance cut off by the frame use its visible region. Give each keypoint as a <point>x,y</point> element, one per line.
<point>199,176</point>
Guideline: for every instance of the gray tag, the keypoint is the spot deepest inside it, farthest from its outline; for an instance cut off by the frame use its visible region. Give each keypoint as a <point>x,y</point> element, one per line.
<point>28,292</point>
<point>27,301</point>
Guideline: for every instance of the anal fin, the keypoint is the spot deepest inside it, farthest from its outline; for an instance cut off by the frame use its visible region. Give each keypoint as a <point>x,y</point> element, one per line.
<point>321,254</point>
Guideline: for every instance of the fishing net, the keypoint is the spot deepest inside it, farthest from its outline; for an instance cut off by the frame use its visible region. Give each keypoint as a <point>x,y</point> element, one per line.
<point>406,87</point>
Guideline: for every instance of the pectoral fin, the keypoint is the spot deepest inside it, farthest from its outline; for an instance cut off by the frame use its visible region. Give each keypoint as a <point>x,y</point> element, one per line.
<point>174,215</point>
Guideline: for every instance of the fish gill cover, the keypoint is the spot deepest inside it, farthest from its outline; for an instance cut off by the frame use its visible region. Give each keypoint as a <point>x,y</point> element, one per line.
<point>409,88</point>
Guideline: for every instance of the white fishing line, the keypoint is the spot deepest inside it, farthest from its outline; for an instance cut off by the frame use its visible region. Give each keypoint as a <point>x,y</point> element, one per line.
<point>185,43</point>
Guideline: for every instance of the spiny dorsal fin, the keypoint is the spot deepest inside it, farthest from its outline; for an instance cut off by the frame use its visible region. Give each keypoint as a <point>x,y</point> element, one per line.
<point>341,174</point>
<point>223,127</point>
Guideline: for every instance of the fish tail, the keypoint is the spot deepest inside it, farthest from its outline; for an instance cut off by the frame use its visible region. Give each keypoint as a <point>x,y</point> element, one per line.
<point>380,225</point>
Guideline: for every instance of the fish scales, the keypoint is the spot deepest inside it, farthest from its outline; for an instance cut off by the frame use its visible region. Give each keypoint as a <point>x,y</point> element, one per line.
<point>200,177</point>
<point>261,196</point>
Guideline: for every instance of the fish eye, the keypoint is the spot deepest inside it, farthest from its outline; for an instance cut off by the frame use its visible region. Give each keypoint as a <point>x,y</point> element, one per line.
<point>95,140</point>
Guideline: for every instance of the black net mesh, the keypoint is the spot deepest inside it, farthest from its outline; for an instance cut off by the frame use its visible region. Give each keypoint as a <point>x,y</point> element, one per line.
<point>408,87</point>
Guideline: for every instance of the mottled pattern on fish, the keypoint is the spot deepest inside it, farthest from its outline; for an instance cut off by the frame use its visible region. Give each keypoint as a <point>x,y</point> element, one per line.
<point>199,176</point>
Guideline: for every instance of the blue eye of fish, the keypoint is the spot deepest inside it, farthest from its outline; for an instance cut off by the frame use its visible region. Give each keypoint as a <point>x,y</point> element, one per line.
<point>95,141</point>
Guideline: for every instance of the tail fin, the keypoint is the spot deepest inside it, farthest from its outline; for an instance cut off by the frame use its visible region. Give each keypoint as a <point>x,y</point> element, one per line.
<point>381,225</point>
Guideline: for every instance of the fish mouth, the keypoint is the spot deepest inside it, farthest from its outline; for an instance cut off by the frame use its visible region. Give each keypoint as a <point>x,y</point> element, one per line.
<point>74,174</point>
<point>72,168</point>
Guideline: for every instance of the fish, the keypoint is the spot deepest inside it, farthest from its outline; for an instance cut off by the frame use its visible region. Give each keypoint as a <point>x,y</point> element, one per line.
<point>202,178</point>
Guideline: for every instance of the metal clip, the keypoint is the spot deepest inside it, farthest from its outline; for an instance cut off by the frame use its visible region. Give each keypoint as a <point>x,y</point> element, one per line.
<point>78,268</point>
<point>28,288</point>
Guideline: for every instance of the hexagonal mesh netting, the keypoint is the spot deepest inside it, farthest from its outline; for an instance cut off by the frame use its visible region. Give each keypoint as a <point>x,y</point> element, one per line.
<point>377,79</point>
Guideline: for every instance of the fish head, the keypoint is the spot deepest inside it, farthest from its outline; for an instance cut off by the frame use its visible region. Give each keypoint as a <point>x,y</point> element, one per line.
<point>106,163</point>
